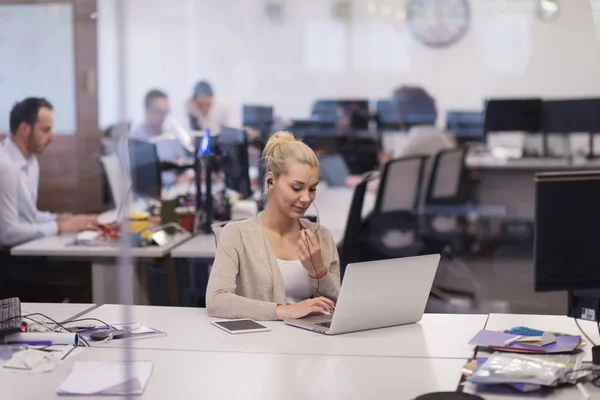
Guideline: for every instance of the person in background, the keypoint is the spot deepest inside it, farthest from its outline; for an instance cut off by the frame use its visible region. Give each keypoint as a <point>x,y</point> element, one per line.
<point>207,111</point>
<point>275,266</point>
<point>417,113</point>
<point>156,107</point>
<point>31,132</point>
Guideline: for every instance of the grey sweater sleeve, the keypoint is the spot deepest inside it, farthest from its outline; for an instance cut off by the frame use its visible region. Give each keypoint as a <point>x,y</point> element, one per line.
<point>221,298</point>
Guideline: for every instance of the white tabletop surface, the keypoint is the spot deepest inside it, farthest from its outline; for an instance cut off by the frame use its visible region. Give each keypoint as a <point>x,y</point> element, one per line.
<point>57,311</point>
<point>200,246</point>
<point>437,335</point>
<point>58,246</point>
<point>206,375</point>
<point>554,323</point>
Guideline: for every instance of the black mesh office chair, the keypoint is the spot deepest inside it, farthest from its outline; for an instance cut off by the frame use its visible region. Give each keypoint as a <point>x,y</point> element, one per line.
<point>391,230</point>
<point>444,227</point>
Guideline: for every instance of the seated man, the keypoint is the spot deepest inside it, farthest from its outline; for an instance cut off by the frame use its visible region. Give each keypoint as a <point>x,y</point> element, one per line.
<point>156,105</point>
<point>207,111</point>
<point>31,123</point>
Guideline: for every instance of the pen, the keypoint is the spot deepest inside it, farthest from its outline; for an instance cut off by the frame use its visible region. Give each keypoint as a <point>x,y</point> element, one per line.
<point>512,340</point>
<point>32,342</point>
<point>68,352</point>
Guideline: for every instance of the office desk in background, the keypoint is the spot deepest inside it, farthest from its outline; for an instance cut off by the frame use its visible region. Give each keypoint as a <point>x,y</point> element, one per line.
<point>104,259</point>
<point>192,375</point>
<point>510,183</point>
<point>436,336</point>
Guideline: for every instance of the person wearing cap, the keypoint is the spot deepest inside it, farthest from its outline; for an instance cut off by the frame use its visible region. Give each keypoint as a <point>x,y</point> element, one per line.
<point>208,111</point>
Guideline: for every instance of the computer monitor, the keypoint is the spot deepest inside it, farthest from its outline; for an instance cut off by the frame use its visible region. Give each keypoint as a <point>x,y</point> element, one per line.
<point>356,110</point>
<point>567,231</point>
<point>233,152</point>
<point>313,128</point>
<point>259,118</point>
<point>513,115</point>
<point>467,126</point>
<point>571,115</point>
<point>145,169</point>
<point>387,116</point>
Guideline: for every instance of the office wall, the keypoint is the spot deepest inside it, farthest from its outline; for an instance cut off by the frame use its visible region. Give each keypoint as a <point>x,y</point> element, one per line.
<point>312,53</point>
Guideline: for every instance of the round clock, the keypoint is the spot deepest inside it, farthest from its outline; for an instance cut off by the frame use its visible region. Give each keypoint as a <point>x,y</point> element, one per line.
<point>438,23</point>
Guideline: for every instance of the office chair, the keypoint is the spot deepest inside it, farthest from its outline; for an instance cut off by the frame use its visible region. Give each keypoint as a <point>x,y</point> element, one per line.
<point>392,229</point>
<point>443,223</point>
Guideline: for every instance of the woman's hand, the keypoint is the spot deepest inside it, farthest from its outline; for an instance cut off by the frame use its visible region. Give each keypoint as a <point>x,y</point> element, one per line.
<point>320,305</point>
<point>309,254</point>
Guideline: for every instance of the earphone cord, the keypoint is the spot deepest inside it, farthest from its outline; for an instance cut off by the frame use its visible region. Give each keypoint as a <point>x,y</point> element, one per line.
<point>310,254</point>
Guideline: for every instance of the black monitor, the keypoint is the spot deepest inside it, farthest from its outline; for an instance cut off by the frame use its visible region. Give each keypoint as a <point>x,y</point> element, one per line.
<point>145,169</point>
<point>573,115</point>
<point>259,118</point>
<point>233,153</point>
<point>387,116</point>
<point>467,126</point>
<point>356,110</point>
<point>513,115</point>
<point>567,231</point>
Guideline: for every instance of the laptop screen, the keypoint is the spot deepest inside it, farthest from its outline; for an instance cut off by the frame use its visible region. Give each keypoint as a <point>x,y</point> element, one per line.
<point>334,170</point>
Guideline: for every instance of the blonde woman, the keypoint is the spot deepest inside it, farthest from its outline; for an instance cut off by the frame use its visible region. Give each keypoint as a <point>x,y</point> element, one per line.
<point>274,266</point>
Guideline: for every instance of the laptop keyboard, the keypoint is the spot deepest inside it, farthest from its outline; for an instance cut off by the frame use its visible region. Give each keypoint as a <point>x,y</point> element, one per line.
<point>324,324</point>
<point>9,310</point>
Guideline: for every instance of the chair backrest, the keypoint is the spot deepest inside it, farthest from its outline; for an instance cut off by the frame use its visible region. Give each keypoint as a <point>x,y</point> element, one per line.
<point>349,249</point>
<point>116,177</point>
<point>400,184</point>
<point>444,183</point>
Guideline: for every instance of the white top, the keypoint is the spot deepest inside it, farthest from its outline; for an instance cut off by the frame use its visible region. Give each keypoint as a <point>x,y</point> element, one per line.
<point>295,280</point>
<point>222,113</point>
<point>20,220</point>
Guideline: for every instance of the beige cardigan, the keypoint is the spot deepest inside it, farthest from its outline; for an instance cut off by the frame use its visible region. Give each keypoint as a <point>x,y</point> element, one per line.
<point>245,281</point>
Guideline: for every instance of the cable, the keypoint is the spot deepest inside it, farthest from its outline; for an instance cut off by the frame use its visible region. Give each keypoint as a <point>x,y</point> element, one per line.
<point>583,332</point>
<point>306,241</point>
<point>28,316</point>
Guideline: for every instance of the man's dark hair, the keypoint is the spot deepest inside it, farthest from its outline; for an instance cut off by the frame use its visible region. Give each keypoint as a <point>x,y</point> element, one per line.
<point>203,88</point>
<point>152,95</point>
<point>27,111</point>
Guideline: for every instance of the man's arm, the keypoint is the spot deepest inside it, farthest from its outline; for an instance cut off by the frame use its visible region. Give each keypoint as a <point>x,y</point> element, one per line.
<point>12,230</point>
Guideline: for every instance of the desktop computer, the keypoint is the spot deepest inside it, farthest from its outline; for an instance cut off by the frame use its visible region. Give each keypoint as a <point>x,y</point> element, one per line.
<point>259,118</point>
<point>145,169</point>
<point>467,126</point>
<point>572,116</point>
<point>356,111</point>
<point>233,159</point>
<point>567,238</point>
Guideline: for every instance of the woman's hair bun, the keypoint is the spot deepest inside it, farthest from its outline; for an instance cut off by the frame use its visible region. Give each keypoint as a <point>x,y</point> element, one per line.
<point>277,140</point>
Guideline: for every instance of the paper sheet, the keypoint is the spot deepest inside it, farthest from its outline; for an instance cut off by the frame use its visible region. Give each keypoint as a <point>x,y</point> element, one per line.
<point>106,378</point>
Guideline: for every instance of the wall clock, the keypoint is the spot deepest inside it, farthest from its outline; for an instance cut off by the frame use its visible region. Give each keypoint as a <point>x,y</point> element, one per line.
<point>438,23</point>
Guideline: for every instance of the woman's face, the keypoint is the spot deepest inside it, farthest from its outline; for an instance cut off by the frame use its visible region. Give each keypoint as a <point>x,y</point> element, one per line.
<point>295,191</point>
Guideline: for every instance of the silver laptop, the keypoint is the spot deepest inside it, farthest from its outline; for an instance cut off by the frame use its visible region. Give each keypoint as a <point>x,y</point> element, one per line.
<point>378,294</point>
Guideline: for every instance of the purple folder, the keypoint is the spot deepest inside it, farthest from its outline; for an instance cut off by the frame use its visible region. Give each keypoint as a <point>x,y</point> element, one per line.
<point>495,340</point>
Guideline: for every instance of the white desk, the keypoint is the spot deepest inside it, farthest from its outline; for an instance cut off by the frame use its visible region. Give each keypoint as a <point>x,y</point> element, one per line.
<point>57,311</point>
<point>555,323</point>
<point>200,246</point>
<point>103,258</point>
<point>333,205</point>
<point>199,375</point>
<point>437,335</point>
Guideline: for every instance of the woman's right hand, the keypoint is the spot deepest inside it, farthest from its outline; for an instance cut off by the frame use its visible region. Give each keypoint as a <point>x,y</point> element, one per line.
<point>320,305</point>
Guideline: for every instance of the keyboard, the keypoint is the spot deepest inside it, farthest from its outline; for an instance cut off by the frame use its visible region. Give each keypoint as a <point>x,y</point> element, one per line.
<point>325,324</point>
<point>10,308</point>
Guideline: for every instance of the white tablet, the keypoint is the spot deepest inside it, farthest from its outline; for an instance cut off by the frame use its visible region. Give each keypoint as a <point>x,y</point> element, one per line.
<point>240,326</point>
